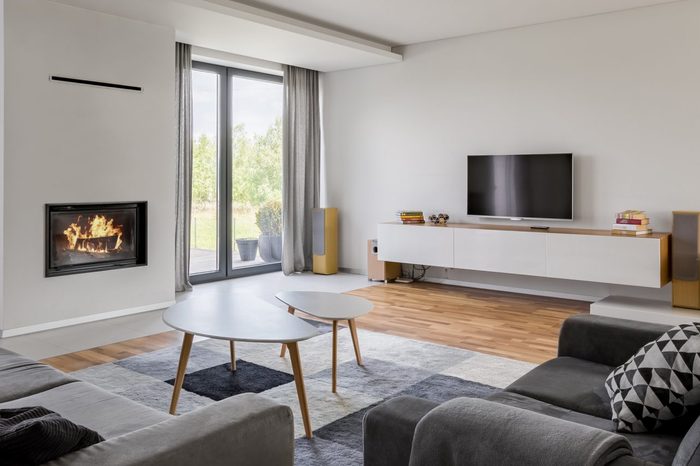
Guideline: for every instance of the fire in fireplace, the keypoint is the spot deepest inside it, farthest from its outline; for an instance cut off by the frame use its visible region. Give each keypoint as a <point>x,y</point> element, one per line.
<point>96,235</point>
<point>90,237</point>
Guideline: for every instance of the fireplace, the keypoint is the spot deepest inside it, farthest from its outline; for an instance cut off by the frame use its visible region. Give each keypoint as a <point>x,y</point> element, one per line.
<point>91,237</point>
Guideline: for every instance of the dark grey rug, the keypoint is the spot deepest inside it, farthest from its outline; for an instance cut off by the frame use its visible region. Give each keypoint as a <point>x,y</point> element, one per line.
<point>393,366</point>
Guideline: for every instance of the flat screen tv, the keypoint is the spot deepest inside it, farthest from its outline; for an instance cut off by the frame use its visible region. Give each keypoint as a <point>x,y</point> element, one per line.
<point>528,186</point>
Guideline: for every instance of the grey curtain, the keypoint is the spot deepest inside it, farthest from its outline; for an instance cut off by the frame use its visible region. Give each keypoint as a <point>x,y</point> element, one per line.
<point>301,160</point>
<point>183,90</point>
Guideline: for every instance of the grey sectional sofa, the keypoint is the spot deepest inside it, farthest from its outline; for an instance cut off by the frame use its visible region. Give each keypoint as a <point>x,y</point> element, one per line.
<point>558,410</point>
<point>242,430</point>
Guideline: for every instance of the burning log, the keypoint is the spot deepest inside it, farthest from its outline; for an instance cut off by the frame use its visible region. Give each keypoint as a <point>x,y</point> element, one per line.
<point>103,244</point>
<point>98,235</point>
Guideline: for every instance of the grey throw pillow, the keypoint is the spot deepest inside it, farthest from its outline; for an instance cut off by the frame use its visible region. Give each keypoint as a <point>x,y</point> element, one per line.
<point>658,383</point>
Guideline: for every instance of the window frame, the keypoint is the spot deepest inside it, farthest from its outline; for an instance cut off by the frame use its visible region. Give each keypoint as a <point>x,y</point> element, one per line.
<point>225,178</point>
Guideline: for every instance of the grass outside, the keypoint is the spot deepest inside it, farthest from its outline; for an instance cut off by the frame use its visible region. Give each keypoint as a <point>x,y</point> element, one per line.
<point>204,226</point>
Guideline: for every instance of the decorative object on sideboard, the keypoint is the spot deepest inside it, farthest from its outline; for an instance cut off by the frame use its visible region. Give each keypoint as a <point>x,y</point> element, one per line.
<point>408,217</point>
<point>439,219</point>
<point>631,223</point>
<point>88,82</point>
<point>685,263</point>
<point>269,220</point>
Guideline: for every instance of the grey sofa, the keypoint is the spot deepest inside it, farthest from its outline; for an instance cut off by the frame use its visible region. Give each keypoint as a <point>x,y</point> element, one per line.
<point>242,430</point>
<point>558,410</point>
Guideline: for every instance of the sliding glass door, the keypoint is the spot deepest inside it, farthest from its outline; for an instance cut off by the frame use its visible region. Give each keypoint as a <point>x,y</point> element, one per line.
<point>208,144</point>
<point>237,173</point>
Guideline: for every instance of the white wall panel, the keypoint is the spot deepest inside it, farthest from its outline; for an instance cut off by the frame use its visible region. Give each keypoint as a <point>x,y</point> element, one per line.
<point>68,143</point>
<point>618,90</point>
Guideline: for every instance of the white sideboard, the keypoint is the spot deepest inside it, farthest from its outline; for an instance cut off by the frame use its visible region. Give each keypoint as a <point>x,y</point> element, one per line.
<point>521,253</point>
<point>568,253</point>
<point>427,245</point>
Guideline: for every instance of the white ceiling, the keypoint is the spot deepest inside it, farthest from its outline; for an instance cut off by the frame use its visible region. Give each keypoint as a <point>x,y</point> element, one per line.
<point>331,35</point>
<point>401,22</point>
<point>242,30</point>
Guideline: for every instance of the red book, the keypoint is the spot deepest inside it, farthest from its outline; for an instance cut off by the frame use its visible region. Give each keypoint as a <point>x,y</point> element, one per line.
<point>632,221</point>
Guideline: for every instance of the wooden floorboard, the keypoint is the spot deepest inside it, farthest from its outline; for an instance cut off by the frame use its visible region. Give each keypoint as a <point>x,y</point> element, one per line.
<point>114,352</point>
<point>511,325</point>
<point>515,326</point>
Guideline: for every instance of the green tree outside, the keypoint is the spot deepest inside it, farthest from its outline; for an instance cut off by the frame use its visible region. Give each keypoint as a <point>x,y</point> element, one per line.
<point>256,180</point>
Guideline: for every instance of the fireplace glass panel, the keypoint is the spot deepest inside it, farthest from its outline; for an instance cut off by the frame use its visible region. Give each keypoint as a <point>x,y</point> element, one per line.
<point>83,238</point>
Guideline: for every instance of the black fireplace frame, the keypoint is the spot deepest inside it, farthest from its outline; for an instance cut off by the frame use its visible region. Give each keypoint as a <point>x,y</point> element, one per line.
<point>141,247</point>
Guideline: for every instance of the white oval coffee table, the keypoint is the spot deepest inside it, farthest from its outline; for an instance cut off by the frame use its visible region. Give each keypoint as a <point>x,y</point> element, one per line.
<point>239,318</point>
<point>333,307</point>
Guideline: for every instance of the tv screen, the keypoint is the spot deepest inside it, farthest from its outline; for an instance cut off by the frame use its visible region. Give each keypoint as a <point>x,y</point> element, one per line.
<point>535,186</point>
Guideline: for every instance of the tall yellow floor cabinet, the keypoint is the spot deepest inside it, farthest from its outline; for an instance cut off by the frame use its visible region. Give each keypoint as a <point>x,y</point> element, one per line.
<point>685,264</point>
<point>325,240</point>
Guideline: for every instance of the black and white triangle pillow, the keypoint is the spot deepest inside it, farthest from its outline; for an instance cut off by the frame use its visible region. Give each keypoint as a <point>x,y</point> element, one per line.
<point>658,383</point>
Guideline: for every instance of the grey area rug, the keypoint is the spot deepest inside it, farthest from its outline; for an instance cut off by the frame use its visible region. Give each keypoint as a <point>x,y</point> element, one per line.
<point>393,366</point>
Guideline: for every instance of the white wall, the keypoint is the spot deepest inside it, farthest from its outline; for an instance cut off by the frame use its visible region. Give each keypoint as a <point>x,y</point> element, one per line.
<point>72,143</point>
<point>619,90</point>
<point>2,145</point>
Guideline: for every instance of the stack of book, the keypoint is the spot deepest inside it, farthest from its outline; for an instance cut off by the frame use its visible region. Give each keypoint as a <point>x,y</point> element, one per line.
<point>411,216</point>
<point>631,223</point>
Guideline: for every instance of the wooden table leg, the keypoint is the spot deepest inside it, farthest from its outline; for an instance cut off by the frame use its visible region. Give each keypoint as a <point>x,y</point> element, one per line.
<point>181,368</point>
<point>335,354</point>
<point>232,349</point>
<point>301,391</point>
<point>355,341</point>
<point>290,309</point>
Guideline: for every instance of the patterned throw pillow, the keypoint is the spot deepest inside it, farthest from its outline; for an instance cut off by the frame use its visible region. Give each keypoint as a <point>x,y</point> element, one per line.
<point>657,384</point>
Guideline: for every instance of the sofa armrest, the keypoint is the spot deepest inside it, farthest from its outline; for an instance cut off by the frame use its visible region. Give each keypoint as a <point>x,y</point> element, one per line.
<point>246,429</point>
<point>688,453</point>
<point>605,340</point>
<point>388,430</point>
<point>481,432</point>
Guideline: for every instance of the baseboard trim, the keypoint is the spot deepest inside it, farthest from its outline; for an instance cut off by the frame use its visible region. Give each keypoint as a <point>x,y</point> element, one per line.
<point>512,289</point>
<point>13,332</point>
<point>643,310</point>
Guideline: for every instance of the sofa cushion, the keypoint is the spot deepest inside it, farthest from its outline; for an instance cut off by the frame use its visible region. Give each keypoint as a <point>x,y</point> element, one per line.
<point>21,377</point>
<point>658,383</point>
<point>657,447</point>
<point>570,383</point>
<point>109,414</point>
<point>35,435</point>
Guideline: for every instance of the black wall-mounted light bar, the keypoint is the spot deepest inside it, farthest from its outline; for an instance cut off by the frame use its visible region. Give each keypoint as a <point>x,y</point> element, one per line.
<point>96,83</point>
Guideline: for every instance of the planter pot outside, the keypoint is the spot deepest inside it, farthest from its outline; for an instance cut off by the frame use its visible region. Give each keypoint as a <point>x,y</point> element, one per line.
<point>247,248</point>
<point>270,247</point>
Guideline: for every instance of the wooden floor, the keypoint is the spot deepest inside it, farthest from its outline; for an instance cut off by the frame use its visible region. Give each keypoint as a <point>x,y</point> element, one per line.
<point>515,326</point>
<point>114,352</point>
<point>511,325</point>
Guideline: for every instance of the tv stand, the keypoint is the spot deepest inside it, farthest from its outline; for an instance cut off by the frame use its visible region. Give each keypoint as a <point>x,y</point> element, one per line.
<point>566,253</point>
